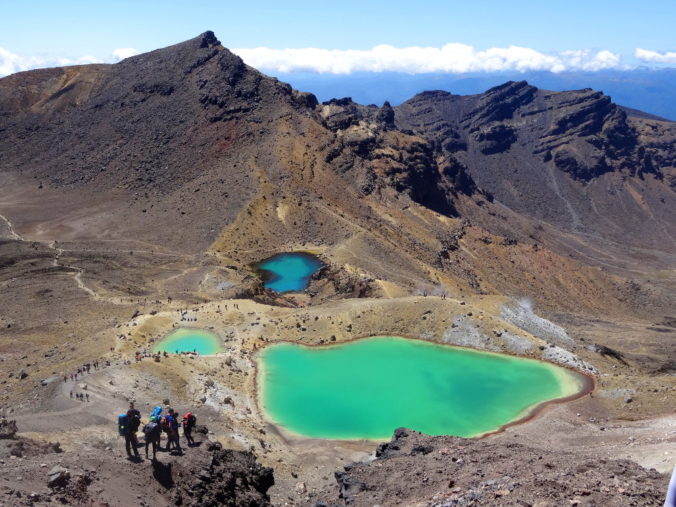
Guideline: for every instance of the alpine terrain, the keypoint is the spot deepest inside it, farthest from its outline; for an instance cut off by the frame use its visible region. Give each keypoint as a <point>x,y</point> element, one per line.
<point>138,197</point>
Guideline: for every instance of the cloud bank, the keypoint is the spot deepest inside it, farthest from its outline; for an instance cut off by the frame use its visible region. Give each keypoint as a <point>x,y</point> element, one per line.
<point>645,55</point>
<point>12,62</point>
<point>451,58</point>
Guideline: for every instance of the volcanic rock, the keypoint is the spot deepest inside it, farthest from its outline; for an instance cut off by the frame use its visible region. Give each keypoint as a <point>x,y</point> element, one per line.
<point>58,477</point>
<point>456,471</point>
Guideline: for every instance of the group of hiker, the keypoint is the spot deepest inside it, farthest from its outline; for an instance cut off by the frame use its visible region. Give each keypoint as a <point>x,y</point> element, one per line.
<point>140,356</point>
<point>85,368</point>
<point>79,396</point>
<point>157,356</point>
<point>169,423</point>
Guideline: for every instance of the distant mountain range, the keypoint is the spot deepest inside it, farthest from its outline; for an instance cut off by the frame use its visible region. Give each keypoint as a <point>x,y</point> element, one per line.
<point>649,90</point>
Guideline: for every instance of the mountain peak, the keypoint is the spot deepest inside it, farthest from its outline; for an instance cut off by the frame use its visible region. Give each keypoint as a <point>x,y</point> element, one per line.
<point>208,39</point>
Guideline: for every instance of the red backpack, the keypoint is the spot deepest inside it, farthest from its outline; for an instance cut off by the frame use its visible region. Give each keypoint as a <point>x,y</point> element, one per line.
<point>189,419</point>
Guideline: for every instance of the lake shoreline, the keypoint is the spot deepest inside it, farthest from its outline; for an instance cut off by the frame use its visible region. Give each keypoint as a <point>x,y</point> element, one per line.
<point>578,384</point>
<point>216,345</point>
<point>269,277</point>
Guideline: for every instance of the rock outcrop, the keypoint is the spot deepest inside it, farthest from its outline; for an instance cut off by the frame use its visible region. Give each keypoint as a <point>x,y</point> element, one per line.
<point>205,475</point>
<point>416,469</point>
<point>231,478</point>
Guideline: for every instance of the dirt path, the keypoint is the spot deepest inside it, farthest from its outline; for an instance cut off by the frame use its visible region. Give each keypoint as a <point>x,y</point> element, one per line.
<point>77,276</point>
<point>61,412</point>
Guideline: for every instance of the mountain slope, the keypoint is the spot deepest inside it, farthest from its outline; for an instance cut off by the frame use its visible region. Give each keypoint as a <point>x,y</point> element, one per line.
<point>194,118</point>
<point>188,148</point>
<point>154,129</point>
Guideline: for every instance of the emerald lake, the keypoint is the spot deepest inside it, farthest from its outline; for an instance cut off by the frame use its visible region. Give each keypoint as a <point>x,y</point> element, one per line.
<point>288,271</point>
<point>367,388</point>
<point>189,340</point>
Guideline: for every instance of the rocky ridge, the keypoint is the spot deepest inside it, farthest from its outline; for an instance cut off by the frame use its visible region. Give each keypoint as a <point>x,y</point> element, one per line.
<point>448,471</point>
<point>573,159</point>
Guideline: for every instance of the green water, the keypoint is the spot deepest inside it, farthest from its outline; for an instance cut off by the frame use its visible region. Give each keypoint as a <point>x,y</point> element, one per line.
<point>189,340</point>
<point>288,271</point>
<point>367,388</point>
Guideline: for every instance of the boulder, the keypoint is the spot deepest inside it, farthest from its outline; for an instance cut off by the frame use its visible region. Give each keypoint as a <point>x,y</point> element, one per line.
<point>8,429</point>
<point>348,486</point>
<point>58,477</point>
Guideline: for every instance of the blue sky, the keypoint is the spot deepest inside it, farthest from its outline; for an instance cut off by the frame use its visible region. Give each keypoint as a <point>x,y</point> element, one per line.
<point>73,31</point>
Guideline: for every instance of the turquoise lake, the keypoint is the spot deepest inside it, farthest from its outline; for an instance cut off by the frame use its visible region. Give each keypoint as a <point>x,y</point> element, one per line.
<point>288,271</point>
<point>367,388</point>
<point>189,340</point>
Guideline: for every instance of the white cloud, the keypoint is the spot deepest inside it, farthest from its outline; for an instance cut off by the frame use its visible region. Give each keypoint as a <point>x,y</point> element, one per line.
<point>83,60</point>
<point>122,53</point>
<point>585,60</point>
<point>450,58</point>
<point>12,62</point>
<point>654,57</point>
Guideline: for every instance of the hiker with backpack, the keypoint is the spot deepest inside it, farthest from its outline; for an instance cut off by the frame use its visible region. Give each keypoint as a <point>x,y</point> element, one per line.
<point>135,416</point>
<point>124,426</point>
<point>189,421</point>
<point>127,425</point>
<point>152,433</point>
<point>172,434</point>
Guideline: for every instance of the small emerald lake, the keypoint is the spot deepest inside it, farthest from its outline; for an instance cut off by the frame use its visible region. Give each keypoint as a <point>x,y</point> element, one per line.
<point>367,388</point>
<point>189,340</point>
<point>288,272</point>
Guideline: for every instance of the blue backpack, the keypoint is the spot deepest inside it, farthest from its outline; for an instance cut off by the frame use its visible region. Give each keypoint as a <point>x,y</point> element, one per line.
<point>157,413</point>
<point>123,424</point>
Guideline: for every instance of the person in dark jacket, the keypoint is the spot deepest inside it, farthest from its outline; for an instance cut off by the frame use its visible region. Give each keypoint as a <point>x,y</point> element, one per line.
<point>130,438</point>
<point>152,432</point>
<point>134,417</point>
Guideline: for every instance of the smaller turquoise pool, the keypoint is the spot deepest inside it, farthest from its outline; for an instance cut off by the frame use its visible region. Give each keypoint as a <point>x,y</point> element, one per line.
<point>189,340</point>
<point>288,271</point>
